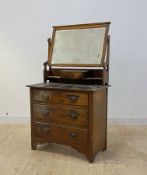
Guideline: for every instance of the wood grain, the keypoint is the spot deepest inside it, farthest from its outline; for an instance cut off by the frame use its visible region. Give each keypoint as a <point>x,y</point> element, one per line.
<point>71,98</point>
<point>69,135</point>
<point>60,114</point>
<point>51,108</point>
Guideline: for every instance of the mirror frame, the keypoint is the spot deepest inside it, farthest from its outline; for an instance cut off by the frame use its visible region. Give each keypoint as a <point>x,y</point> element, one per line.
<point>79,26</point>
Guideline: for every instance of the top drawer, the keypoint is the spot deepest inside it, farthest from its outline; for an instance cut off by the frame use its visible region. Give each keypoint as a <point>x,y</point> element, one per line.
<point>64,97</point>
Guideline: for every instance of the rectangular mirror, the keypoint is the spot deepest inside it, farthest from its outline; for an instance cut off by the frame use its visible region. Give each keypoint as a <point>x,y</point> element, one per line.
<point>79,45</point>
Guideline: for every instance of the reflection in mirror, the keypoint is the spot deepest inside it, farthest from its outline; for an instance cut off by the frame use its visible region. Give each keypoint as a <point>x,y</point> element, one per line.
<point>78,46</point>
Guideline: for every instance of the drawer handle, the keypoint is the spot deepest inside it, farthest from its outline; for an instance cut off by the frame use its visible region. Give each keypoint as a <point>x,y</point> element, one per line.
<point>73,135</point>
<point>46,111</point>
<point>46,97</point>
<point>44,128</point>
<point>73,98</point>
<point>73,115</point>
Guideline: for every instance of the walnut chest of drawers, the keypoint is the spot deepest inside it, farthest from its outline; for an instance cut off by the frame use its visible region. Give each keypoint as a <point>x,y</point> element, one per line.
<point>73,115</point>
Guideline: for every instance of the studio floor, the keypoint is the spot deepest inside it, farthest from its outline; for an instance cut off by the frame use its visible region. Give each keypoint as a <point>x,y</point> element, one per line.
<point>126,154</point>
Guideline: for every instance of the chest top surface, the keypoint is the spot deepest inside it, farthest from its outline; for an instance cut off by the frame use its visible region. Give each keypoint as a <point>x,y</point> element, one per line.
<point>70,87</point>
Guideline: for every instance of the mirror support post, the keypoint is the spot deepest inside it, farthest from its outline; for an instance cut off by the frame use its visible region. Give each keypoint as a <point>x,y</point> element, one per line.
<point>46,71</point>
<point>106,64</point>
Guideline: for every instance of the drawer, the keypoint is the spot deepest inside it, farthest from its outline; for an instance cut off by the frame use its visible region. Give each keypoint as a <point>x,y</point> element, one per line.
<point>59,114</point>
<point>64,97</point>
<point>61,133</point>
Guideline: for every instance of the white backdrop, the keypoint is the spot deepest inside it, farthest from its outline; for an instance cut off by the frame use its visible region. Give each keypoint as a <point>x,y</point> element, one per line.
<point>25,26</point>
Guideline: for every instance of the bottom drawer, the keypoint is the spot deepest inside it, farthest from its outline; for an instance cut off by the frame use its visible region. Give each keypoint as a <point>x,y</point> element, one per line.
<point>61,133</point>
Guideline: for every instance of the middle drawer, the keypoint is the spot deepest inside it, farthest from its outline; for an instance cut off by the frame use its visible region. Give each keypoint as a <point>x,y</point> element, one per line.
<point>60,114</point>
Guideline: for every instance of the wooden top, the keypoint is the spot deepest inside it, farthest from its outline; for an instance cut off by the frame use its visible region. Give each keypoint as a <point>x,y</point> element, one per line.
<point>82,26</point>
<point>62,86</point>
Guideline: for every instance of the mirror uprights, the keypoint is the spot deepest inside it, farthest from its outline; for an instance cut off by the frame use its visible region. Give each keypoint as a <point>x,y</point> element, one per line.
<point>83,66</point>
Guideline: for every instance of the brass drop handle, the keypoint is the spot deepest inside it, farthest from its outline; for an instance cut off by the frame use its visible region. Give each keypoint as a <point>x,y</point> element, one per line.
<point>73,98</point>
<point>46,111</point>
<point>73,115</point>
<point>73,135</point>
<point>44,128</point>
<point>46,97</point>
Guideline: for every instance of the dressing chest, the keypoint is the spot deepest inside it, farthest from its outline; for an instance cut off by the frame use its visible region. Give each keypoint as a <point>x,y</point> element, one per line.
<point>70,106</point>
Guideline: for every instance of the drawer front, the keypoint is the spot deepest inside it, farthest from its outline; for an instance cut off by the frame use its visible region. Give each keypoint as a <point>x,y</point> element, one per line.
<point>61,133</point>
<point>59,114</point>
<point>64,97</point>
<point>42,130</point>
<point>42,95</point>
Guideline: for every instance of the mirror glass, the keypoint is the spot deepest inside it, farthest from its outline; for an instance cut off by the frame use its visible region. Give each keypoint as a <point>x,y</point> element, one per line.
<point>78,46</point>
